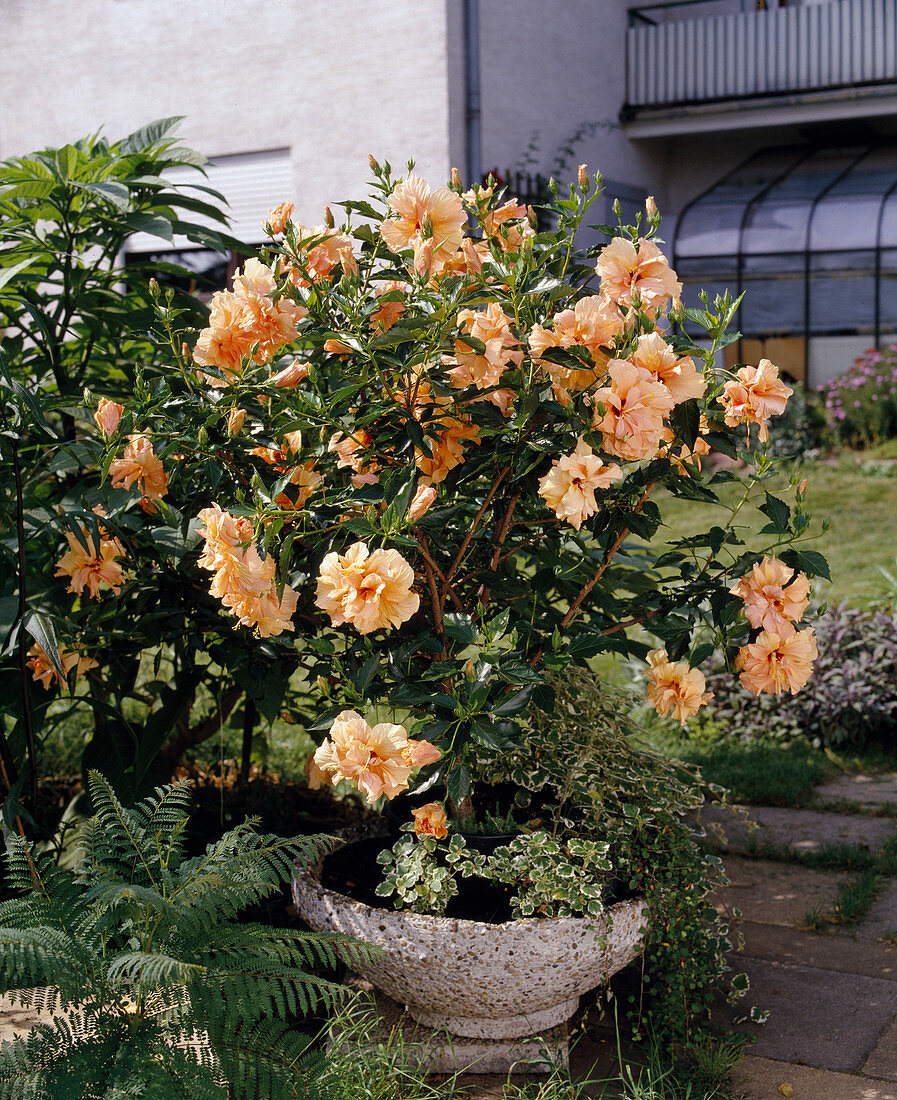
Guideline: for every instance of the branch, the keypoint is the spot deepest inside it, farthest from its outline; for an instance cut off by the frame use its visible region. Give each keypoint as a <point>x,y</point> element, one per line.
<point>500,535</point>
<point>187,738</point>
<point>428,557</point>
<point>453,568</point>
<point>599,573</point>
<point>27,717</point>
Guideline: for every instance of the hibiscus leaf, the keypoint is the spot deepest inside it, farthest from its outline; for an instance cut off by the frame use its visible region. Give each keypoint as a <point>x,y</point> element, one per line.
<point>685,420</point>
<point>810,562</point>
<point>778,511</point>
<point>40,627</point>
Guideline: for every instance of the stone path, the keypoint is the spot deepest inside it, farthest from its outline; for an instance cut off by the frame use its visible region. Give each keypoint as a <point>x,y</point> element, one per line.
<point>832,996</point>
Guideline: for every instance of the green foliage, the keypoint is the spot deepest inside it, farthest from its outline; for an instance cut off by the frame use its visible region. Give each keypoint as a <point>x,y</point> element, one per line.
<point>552,877</point>
<point>158,989</point>
<point>421,872</point>
<point>548,877</point>
<point>78,321</point>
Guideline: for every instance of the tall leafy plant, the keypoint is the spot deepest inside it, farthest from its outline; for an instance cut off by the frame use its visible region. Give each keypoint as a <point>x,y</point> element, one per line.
<point>158,989</point>
<point>76,318</point>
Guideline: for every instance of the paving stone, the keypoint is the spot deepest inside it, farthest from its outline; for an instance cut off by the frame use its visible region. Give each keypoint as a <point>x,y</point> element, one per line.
<point>868,790</point>
<point>882,1062</point>
<point>795,947</point>
<point>749,828</point>
<point>760,1078</point>
<point>817,1017</point>
<point>771,892</point>
<point>16,1021</point>
<point>881,920</point>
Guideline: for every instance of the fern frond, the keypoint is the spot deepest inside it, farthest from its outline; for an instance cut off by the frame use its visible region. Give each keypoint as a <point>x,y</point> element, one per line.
<point>122,831</point>
<point>153,970</point>
<point>269,1062</point>
<point>42,956</point>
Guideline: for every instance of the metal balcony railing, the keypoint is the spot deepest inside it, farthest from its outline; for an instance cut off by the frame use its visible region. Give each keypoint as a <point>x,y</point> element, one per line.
<point>803,48</point>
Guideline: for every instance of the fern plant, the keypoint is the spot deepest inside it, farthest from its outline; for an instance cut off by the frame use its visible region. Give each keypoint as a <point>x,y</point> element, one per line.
<point>156,989</point>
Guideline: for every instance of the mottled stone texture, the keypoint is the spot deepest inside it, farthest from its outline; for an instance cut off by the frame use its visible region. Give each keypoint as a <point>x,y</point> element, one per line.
<point>483,981</point>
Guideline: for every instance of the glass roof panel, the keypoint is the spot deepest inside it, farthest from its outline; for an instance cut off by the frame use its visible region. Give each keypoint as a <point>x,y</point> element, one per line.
<point>847,214</point>
<point>778,221</point>
<point>711,226</point>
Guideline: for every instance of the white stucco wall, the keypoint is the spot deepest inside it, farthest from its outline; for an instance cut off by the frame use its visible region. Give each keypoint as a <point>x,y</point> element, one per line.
<point>549,70</point>
<point>331,79</point>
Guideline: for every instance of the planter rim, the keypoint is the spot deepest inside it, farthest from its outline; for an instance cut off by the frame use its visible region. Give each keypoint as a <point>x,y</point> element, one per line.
<point>312,873</point>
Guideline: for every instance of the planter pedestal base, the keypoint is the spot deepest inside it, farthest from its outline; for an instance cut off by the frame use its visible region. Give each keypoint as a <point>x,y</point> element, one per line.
<point>434,1050</point>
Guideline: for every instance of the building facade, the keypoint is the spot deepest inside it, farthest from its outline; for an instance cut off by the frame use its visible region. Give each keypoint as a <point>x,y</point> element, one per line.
<point>766,129</point>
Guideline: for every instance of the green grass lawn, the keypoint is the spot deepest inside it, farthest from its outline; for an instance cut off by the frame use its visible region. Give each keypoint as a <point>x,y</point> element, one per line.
<point>861,512</point>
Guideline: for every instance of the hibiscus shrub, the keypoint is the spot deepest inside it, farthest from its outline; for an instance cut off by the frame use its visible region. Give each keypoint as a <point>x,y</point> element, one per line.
<point>73,607</point>
<point>413,452</point>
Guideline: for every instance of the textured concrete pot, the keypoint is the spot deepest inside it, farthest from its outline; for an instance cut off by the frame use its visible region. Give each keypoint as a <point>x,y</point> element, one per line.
<point>483,981</point>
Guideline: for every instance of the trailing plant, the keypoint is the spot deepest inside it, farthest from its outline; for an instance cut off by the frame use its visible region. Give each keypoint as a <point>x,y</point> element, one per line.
<point>586,774</point>
<point>158,989</point>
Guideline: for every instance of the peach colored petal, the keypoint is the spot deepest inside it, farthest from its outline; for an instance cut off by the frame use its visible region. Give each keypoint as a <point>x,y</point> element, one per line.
<point>430,820</point>
<point>674,687</point>
<point>372,591</point>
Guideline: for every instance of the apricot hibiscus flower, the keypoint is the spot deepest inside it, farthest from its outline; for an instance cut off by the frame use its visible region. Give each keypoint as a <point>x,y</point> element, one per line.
<point>372,591</point>
<point>139,464</point>
<point>594,324</point>
<point>635,405</point>
<point>569,486</point>
<point>43,670</point>
<point>92,566</point>
<point>775,597</point>
<point>629,272</point>
<point>756,394</point>
<point>430,820</point>
<point>243,580</point>
<point>429,222</point>
<point>678,373</point>
<point>674,687</point>
<point>775,662</point>
<point>484,370</point>
<point>447,448</point>
<point>375,759</point>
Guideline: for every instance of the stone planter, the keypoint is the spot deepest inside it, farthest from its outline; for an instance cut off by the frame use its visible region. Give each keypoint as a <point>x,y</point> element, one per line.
<point>484,981</point>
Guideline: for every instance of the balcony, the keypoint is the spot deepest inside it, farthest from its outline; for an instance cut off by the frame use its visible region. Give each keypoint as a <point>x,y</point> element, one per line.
<point>706,64</point>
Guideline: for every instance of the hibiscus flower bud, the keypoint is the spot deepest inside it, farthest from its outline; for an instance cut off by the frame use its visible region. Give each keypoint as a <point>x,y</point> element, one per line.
<point>108,415</point>
<point>456,179</point>
<point>418,754</point>
<point>375,167</point>
<point>290,377</point>
<point>235,420</point>
<point>583,178</point>
<point>328,217</point>
<point>651,207</point>
<point>423,498</point>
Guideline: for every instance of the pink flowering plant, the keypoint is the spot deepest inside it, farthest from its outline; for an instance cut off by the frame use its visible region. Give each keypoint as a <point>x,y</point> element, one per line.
<point>418,459</point>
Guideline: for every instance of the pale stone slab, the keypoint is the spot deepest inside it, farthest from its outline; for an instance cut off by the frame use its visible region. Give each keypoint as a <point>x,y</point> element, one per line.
<point>750,828</point>
<point>817,1017</point>
<point>869,790</point>
<point>882,1062</point>
<point>760,1078</point>
<point>770,892</point>
<point>843,954</point>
